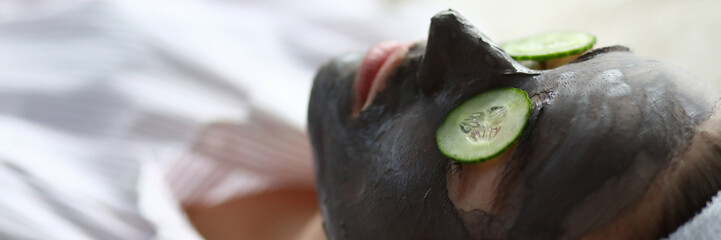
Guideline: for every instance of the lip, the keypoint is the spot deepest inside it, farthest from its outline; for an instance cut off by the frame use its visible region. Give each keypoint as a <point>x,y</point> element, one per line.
<point>377,65</point>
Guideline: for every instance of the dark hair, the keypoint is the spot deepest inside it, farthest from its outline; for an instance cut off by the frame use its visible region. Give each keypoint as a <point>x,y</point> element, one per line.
<point>695,177</point>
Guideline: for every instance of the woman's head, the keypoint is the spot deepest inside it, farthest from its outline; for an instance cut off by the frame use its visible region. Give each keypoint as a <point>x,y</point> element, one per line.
<point>605,133</point>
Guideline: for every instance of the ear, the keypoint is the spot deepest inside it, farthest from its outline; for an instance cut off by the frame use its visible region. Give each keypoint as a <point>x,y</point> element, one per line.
<point>456,48</point>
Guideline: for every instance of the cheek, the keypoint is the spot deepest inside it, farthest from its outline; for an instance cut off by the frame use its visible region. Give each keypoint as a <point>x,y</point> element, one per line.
<point>475,186</point>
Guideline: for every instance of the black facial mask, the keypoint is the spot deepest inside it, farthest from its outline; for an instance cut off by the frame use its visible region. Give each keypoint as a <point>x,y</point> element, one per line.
<point>601,129</point>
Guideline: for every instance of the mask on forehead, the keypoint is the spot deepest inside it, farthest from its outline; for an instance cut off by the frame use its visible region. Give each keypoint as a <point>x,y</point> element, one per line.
<point>602,131</point>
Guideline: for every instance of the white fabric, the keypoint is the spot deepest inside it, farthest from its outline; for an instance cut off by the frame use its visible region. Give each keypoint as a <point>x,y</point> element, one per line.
<point>114,113</point>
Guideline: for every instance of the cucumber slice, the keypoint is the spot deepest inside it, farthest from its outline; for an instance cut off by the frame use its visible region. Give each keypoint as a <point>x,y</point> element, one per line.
<point>551,45</point>
<point>485,125</point>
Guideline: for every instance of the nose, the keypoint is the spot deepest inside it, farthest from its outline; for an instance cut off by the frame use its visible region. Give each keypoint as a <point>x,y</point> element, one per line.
<point>457,51</point>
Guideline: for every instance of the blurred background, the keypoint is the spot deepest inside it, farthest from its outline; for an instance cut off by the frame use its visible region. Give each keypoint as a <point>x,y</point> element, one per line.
<point>135,119</point>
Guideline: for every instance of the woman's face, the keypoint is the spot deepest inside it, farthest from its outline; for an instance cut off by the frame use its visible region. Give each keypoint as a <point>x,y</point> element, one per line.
<point>601,131</point>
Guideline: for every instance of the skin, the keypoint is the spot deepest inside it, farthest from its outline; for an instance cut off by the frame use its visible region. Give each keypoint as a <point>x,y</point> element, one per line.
<point>606,133</point>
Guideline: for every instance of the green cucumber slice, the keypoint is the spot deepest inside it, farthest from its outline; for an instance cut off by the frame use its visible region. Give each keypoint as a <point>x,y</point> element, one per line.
<point>551,45</point>
<point>485,125</point>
